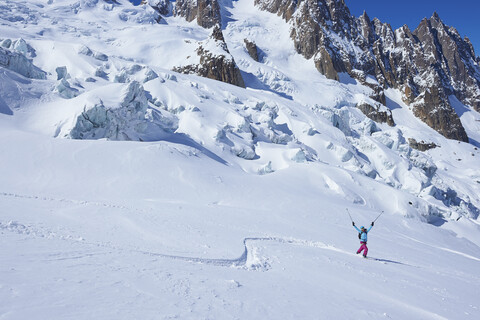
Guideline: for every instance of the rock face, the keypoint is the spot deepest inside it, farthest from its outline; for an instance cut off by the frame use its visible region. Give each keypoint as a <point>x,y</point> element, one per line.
<point>251,49</point>
<point>374,113</point>
<point>207,12</point>
<point>215,65</point>
<point>428,64</point>
<point>422,145</point>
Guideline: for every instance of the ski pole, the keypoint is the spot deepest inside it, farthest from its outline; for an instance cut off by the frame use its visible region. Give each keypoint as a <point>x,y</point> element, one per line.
<point>349,214</point>
<point>378,216</point>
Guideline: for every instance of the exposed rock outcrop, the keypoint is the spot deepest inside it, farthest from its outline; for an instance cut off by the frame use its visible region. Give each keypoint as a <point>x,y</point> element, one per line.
<point>374,113</point>
<point>434,109</point>
<point>422,145</point>
<point>213,65</point>
<point>251,49</point>
<point>216,61</point>
<point>207,12</point>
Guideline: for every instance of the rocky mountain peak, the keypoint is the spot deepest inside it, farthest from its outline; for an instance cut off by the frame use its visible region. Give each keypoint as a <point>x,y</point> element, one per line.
<point>435,16</point>
<point>428,65</point>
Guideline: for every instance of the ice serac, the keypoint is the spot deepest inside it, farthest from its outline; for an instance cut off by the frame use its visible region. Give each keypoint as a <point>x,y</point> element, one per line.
<point>428,64</point>
<point>129,119</point>
<point>17,62</point>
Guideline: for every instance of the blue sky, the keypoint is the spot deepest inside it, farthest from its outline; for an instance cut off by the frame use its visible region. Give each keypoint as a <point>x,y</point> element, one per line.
<point>464,15</point>
<point>461,14</point>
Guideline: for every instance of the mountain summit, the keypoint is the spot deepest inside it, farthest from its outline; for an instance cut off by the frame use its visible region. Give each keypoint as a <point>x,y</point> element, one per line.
<point>428,65</point>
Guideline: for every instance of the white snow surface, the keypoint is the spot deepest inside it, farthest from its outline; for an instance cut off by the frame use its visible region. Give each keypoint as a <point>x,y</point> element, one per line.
<point>129,191</point>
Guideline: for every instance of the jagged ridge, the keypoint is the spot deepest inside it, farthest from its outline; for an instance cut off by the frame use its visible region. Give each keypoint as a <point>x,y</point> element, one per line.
<point>427,65</point>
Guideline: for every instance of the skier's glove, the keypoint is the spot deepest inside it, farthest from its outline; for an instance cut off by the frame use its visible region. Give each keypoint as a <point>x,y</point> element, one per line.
<point>373,223</point>
<point>353,223</point>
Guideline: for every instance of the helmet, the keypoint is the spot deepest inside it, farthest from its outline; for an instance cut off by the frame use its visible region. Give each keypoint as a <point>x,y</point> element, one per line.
<point>362,227</point>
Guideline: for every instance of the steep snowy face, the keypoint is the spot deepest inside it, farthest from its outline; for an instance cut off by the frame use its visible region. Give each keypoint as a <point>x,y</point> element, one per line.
<point>427,65</point>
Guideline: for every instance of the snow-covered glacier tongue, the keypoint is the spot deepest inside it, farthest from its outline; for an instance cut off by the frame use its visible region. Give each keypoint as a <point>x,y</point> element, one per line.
<point>194,159</point>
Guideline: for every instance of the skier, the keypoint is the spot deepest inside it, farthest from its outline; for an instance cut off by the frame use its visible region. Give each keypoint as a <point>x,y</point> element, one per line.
<point>363,238</point>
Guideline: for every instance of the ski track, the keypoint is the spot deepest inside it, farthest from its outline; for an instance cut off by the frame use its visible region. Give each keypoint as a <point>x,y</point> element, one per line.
<point>248,260</point>
<point>444,249</point>
<point>64,200</point>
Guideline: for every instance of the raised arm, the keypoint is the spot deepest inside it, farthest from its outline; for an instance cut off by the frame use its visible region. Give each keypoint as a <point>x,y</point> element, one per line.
<point>371,226</point>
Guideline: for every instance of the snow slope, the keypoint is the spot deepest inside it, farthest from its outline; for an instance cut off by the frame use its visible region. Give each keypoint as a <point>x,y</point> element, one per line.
<point>233,206</point>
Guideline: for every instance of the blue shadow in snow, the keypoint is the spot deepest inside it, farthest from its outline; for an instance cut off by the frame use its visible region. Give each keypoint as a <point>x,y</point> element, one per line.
<point>252,82</point>
<point>458,106</point>
<point>181,138</point>
<point>392,261</point>
<point>474,142</point>
<point>437,221</point>
<point>392,105</point>
<point>4,108</point>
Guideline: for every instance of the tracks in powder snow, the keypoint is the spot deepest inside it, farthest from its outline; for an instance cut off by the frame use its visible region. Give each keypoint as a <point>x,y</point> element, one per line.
<point>250,259</point>
<point>63,200</point>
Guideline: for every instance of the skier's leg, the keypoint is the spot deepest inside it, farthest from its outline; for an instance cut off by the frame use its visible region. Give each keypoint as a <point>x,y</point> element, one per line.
<point>360,249</point>
<point>366,250</point>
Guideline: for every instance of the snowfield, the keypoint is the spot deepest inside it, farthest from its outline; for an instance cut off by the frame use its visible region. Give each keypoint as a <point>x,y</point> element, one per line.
<point>129,191</point>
